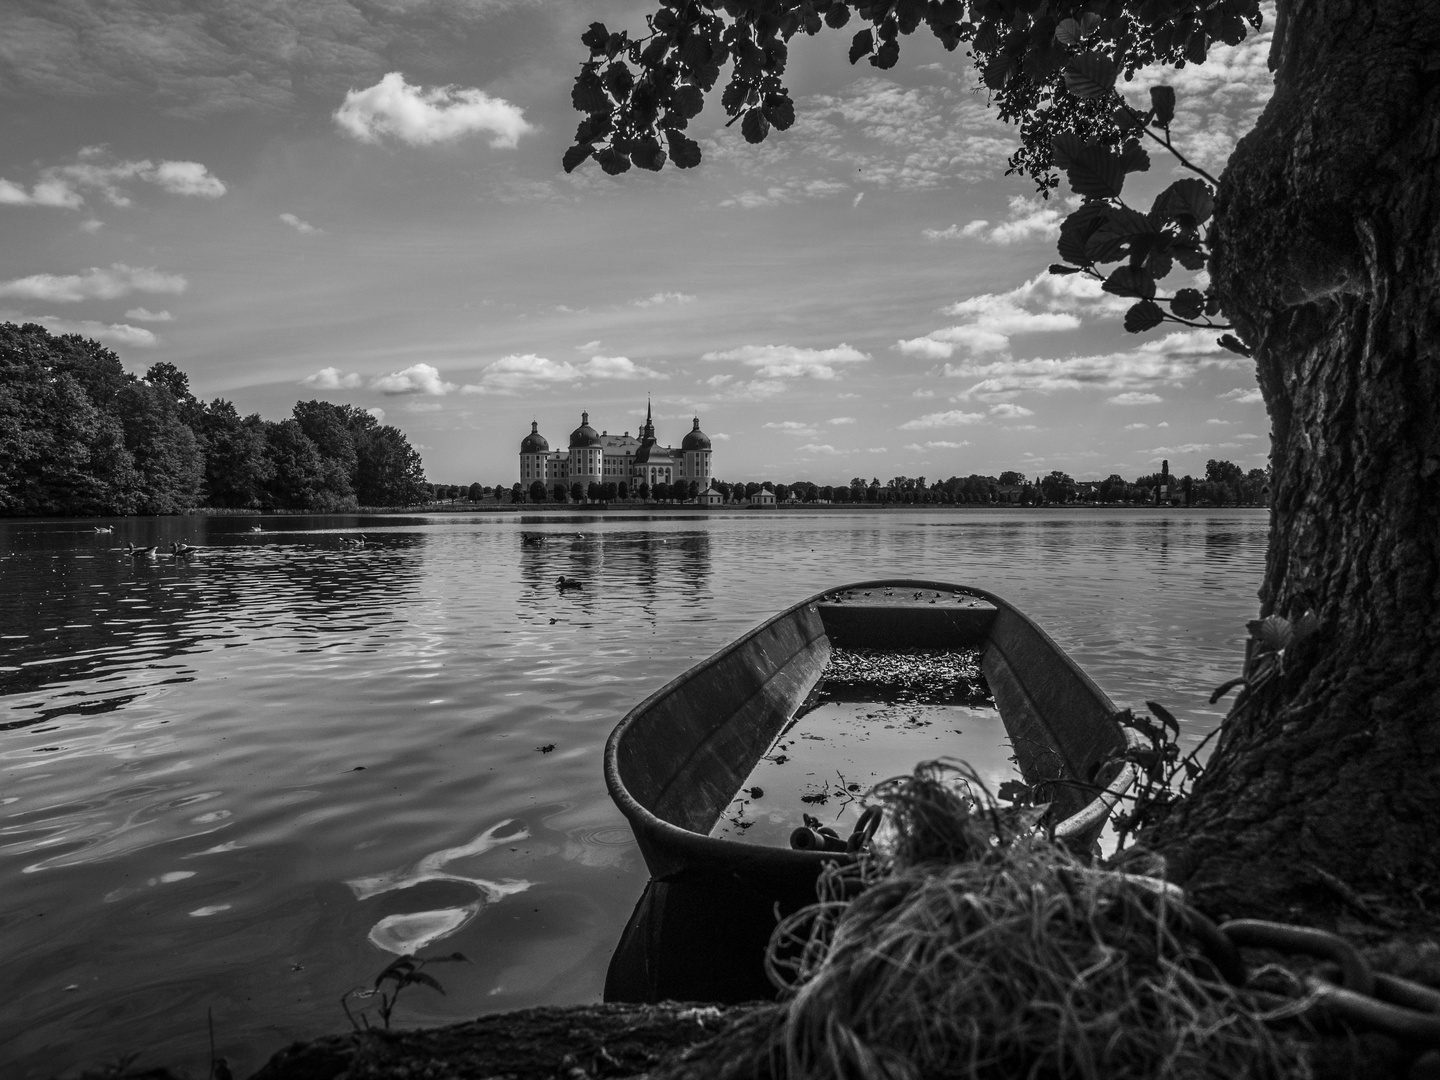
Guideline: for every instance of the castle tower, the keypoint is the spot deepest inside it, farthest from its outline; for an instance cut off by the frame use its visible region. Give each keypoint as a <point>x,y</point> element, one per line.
<point>696,457</point>
<point>533,452</point>
<point>587,454</point>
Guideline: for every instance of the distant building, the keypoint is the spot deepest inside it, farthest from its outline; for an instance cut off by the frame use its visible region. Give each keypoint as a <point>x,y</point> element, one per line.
<point>604,458</point>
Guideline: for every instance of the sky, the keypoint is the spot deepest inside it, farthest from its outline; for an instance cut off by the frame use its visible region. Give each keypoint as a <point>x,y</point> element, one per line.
<point>362,201</point>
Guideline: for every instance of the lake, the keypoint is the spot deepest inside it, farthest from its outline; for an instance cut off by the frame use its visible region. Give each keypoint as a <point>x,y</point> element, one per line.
<point>243,781</point>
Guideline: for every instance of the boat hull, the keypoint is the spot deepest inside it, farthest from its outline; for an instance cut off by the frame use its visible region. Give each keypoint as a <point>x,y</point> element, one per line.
<point>676,760</point>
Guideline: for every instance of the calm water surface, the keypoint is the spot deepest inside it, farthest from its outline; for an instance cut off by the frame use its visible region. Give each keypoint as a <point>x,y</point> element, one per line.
<point>234,783</point>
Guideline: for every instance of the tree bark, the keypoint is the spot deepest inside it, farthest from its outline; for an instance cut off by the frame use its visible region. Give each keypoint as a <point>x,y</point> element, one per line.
<point>1327,260</point>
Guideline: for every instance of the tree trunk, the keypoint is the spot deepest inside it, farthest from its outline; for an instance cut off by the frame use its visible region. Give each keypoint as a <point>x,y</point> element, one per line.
<point>1327,259</point>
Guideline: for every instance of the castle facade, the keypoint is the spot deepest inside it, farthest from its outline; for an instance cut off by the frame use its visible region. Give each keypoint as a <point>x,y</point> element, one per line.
<point>602,458</point>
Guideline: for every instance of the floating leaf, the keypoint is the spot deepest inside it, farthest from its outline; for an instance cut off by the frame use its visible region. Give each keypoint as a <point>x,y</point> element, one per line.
<point>1089,75</point>
<point>1146,315</point>
<point>1162,100</point>
<point>1094,170</point>
<point>1188,303</point>
<point>1130,281</point>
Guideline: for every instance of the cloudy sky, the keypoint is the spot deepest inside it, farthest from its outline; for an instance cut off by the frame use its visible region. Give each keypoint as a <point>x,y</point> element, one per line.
<point>362,200</point>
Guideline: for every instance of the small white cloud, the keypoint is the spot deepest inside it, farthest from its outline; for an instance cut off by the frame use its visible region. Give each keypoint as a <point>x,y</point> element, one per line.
<point>1242,395</point>
<point>1136,427</point>
<point>140,314</point>
<point>819,448</point>
<point>185,178</point>
<point>44,193</point>
<point>92,225</point>
<point>617,367</point>
<point>299,226</point>
<point>719,380</point>
<point>421,117</point>
<point>95,284</point>
<point>423,406</point>
<point>856,201</point>
<point>938,444</point>
<point>522,371</point>
<point>1008,409</point>
<point>1163,423</point>
<point>1213,420</point>
<point>330,379</point>
<point>721,436</point>
<point>837,420</point>
<point>877,450</point>
<point>1134,397</point>
<point>774,362</point>
<point>953,418</point>
<point>111,333</point>
<point>416,379</point>
<point>794,427</point>
<point>589,346</point>
<point>378,413</point>
<point>923,394</point>
<point>659,298</point>
<point>95,171</point>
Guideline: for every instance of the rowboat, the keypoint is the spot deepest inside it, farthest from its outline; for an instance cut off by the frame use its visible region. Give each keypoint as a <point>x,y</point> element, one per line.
<point>676,761</point>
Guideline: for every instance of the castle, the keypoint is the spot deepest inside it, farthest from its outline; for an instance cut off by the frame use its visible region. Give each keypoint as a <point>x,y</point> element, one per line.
<point>602,458</point>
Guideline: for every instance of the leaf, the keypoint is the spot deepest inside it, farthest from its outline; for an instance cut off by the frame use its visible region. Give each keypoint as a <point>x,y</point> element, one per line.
<point>1224,688</point>
<point>779,110</point>
<point>837,16</point>
<point>1185,201</point>
<point>1196,46</point>
<point>1076,230</point>
<point>887,56</point>
<point>589,95</point>
<point>647,154</point>
<point>1272,632</point>
<point>687,101</point>
<point>684,151</point>
<point>1188,303</point>
<point>1146,315</point>
<point>1069,32</point>
<point>1162,100</point>
<point>1234,344</point>
<point>1189,255</point>
<point>1089,75</point>
<point>1166,717</point>
<point>754,127</point>
<point>1094,170</point>
<point>619,81</point>
<point>1125,119</point>
<point>1123,229</point>
<point>696,52</point>
<point>595,38</point>
<point>987,40</point>
<point>1130,281</point>
<point>1133,158</point>
<point>1013,791</point>
<point>612,161</point>
<point>862,45</point>
<point>575,155</point>
<point>1061,268</point>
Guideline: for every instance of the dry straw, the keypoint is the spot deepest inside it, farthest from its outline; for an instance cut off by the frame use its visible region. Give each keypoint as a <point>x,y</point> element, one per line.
<point>977,949</point>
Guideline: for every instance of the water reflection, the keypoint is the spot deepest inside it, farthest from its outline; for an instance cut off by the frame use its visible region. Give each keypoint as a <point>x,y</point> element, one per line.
<point>199,760</point>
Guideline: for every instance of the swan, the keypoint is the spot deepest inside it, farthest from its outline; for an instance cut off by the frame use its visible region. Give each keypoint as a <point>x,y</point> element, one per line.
<point>563,583</point>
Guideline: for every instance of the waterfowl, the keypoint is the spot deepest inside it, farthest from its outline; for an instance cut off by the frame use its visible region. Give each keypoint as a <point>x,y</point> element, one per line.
<point>180,549</point>
<point>563,583</point>
<point>141,553</point>
<point>104,528</point>
<point>527,540</point>
<point>256,528</point>
<point>353,541</point>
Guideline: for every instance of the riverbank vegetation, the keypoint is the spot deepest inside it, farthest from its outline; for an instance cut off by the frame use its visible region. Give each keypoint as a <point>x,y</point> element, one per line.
<point>79,435</point>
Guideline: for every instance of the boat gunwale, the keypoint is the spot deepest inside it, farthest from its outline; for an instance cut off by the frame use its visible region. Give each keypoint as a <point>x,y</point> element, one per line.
<point>703,847</point>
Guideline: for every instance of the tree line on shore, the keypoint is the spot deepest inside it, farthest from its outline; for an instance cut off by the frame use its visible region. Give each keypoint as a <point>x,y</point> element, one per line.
<point>80,435</point>
<point>1224,484</point>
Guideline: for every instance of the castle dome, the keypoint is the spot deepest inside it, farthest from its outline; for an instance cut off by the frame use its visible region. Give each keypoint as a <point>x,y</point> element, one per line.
<point>534,443</point>
<point>696,439</point>
<point>584,435</point>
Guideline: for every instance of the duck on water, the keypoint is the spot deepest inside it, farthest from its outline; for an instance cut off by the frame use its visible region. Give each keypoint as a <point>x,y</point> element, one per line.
<point>565,584</point>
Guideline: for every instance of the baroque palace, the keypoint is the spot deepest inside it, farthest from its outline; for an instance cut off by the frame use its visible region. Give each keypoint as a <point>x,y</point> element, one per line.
<point>603,458</point>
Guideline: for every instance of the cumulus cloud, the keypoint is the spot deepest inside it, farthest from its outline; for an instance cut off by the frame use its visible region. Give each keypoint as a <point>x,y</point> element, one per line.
<point>953,418</point>
<point>96,172</point>
<point>298,225</point>
<point>141,314</point>
<point>1135,397</point>
<point>923,393</point>
<point>422,117</point>
<point>1028,219</point>
<point>330,378</point>
<point>416,379</point>
<point>1009,410</point>
<point>794,427</point>
<point>819,448</point>
<point>378,413</point>
<point>521,372</point>
<point>1136,427</point>
<point>1218,422</point>
<point>1170,360</point>
<point>1242,395</point>
<point>1044,304</point>
<point>617,367</point>
<point>659,298</point>
<point>937,444</point>
<point>841,420</point>
<point>95,284</point>
<point>791,362</point>
<point>789,191</point>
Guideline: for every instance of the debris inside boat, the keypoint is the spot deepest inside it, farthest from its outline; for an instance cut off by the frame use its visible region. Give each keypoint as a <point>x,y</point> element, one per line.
<point>872,715</point>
